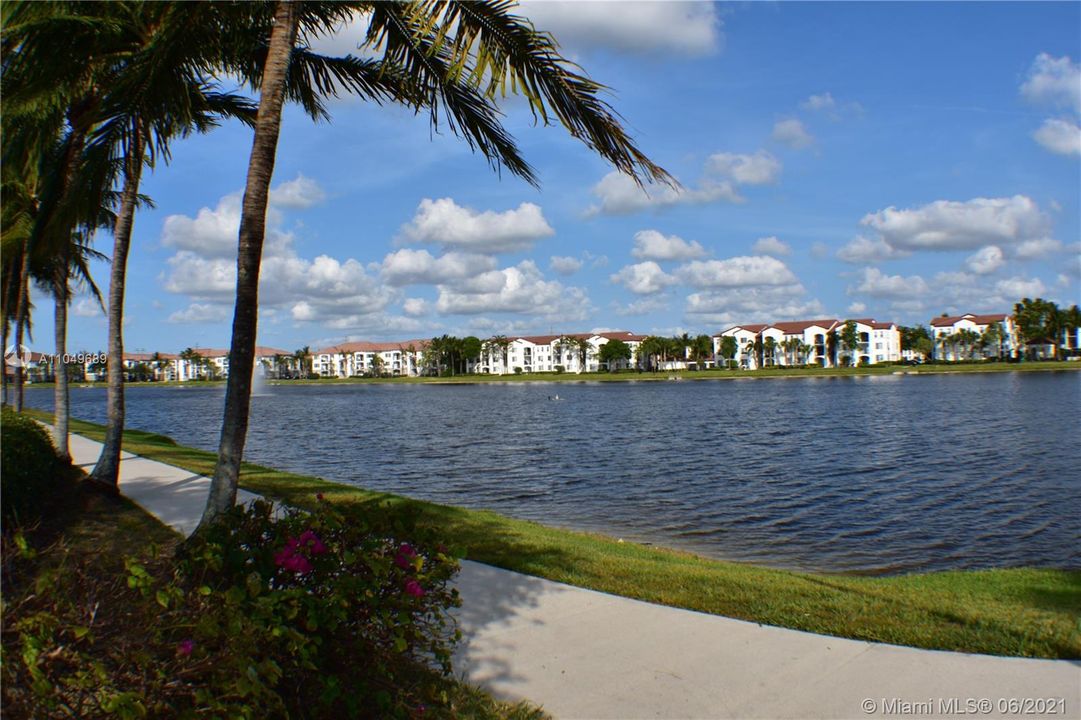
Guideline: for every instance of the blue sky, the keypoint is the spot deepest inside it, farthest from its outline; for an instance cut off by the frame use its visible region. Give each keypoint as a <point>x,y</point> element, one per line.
<point>879,160</point>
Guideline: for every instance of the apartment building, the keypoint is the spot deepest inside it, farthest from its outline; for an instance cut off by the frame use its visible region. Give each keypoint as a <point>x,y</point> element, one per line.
<point>948,334</point>
<point>809,342</point>
<point>358,359</point>
<point>572,353</point>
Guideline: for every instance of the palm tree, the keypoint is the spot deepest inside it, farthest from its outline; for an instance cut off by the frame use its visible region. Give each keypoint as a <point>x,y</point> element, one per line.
<point>769,347</point>
<point>69,262</point>
<point>159,93</point>
<point>303,357</point>
<point>192,357</point>
<point>759,352</point>
<point>850,339</point>
<point>453,59</point>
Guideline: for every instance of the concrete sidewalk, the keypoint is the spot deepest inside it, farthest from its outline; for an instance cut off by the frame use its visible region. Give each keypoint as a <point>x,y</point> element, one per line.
<point>585,654</point>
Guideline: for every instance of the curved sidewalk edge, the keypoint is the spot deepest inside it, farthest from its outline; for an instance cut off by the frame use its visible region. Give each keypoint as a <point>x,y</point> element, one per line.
<point>585,654</point>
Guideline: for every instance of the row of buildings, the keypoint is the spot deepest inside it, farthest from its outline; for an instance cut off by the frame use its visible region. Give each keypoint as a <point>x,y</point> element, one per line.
<point>818,342</point>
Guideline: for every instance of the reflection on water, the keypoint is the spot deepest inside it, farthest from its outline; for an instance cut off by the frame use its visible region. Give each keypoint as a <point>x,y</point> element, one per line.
<point>863,474</point>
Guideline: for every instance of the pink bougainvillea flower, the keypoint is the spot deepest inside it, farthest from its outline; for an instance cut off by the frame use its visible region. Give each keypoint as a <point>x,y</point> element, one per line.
<point>404,558</point>
<point>291,557</point>
<point>412,587</point>
<point>312,543</point>
<point>297,564</point>
<point>185,647</point>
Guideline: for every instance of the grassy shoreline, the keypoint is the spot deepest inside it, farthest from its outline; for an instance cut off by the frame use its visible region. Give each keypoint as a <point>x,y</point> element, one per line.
<point>663,376</point>
<point>1025,611</point>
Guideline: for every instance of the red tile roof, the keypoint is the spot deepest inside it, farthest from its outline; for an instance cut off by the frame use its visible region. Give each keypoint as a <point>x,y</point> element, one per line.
<point>874,324</point>
<point>948,320</point>
<point>753,327</point>
<point>798,326</point>
<point>263,351</point>
<point>624,336</point>
<point>366,346</point>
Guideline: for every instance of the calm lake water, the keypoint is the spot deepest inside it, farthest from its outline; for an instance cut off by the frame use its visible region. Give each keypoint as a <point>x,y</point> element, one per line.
<point>869,474</point>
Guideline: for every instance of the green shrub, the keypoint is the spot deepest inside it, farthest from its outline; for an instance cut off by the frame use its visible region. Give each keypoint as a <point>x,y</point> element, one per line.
<point>29,467</point>
<point>334,616</point>
<point>270,613</point>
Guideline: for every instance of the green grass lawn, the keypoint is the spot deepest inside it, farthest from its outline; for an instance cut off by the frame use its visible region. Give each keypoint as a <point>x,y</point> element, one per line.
<point>1025,612</point>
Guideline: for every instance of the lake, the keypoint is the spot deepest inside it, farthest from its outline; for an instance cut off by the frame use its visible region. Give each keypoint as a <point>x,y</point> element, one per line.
<point>882,474</point>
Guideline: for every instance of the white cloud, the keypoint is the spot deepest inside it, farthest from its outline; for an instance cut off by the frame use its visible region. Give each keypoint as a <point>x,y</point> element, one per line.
<point>214,233</point>
<point>744,271</point>
<point>620,195</point>
<point>958,292</point>
<point>415,306</point>
<point>771,246</point>
<point>565,265</point>
<point>198,276</point>
<point>653,245</point>
<point>1059,136</point>
<point>863,250</point>
<point>875,283</point>
<point>824,101</point>
<point>644,278</point>
<point>1038,248</point>
<point>297,194</point>
<point>792,133</point>
<point>857,308</point>
<point>753,304</point>
<point>687,28</point>
<point>315,289</point>
<point>1054,81</point>
<point>86,308</point>
<point>722,175</point>
<point>451,225</point>
<point>200,313</point>
<point>643,305</point>
<point>985,260</point>
<point>761,168</point>
<point>519,289</point>
<point>418,267</point>
<point>1015,288</point>
<point>950,225</point>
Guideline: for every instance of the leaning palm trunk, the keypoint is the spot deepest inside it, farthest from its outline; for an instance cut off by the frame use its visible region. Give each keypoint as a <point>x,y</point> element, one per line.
<point>252,230</point>
<point>21,313</point>
<point>60,388</point>
<point>107,469</point>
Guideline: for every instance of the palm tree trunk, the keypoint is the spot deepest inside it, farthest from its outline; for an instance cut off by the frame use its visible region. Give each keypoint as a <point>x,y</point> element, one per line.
<point>252,230</point>
<point>107,469</point>
<point>4,364</point>
<point>61,407</point>
<point>21,313</point>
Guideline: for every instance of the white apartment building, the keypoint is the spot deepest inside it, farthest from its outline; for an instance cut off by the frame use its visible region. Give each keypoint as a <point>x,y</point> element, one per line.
<point>879,342</point>
<point>358,359</point>
<point>946,327</point>
<point>745,335</point>
<point>807,342</point>
<point>553,353</point>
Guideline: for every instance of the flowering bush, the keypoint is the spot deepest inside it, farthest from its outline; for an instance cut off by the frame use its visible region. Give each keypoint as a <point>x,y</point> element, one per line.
<point>270,613</point>
<point>326,615</point>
